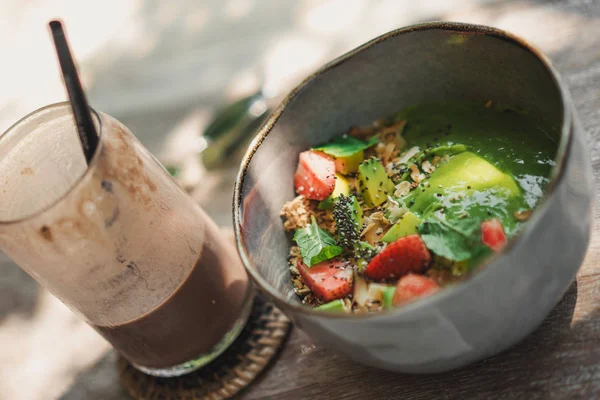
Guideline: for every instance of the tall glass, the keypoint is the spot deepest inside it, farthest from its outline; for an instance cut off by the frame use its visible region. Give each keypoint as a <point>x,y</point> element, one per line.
<point>119,243</point>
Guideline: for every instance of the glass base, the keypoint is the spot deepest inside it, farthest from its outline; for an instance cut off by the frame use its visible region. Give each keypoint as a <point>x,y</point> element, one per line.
<point>203,359</point>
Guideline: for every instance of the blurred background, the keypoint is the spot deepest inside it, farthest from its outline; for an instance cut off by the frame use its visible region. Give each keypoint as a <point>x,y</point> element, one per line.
<point>164,67</point>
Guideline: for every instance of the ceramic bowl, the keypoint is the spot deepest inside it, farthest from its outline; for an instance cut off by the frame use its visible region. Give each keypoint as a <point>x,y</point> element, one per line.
<point>517,288</point>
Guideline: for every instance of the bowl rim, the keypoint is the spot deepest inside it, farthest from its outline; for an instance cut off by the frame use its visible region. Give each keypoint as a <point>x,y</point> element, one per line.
<point>557,173</point>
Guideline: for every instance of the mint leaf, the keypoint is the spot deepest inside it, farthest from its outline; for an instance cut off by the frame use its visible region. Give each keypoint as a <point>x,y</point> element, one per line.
<point>346,146</point>
<point>457,241</point>
<point>449,150</point>
<point>418,158</point>
<point>316,244</point>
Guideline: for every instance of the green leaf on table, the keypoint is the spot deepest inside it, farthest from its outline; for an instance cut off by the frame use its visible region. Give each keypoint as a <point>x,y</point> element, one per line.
<point>346,146</point>
<point>456,241</point>
<point>316,244</point>
<point>174,170</point>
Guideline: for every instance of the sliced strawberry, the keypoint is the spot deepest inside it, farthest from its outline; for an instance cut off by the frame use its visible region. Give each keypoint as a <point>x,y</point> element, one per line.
<point>413,286</point>
<point>315,175</point>
<point>492,234</point>
<point>407,254</point>
<point>328,280</point>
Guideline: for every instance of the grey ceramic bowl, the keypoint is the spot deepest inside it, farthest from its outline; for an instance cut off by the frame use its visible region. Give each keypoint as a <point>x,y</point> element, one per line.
<point>517,288</point>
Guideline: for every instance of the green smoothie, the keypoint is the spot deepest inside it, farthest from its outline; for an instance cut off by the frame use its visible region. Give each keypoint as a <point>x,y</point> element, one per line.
<point>394,212</point>
<point>504,170</point>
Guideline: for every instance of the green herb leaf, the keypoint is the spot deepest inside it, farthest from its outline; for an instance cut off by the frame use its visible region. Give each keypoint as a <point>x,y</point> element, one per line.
<point>457,241</point>
<point>446,150</point>
<point>449,150</point>
<point>346,146</point>
<point>316,244</point>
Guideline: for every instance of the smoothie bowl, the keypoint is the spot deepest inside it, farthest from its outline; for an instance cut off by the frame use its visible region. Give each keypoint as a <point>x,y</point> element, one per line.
<point>422,202</point>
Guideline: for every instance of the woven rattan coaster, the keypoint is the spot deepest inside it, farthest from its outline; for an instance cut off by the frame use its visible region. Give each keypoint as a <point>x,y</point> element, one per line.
<point>226,376</point>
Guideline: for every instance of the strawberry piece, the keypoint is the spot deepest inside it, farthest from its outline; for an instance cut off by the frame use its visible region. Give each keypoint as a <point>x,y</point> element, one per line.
<point>328,280</point>
<point>411,287</point>
<point>315,175</point>
<point>492,234</point>
<point>407,254</point>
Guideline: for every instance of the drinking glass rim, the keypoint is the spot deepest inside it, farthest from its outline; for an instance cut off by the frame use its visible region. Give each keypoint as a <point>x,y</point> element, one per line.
<point>90,166</point>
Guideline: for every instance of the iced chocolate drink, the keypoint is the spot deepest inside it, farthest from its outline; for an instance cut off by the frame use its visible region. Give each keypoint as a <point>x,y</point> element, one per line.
<point>119,242</point>
<point>193,319</point>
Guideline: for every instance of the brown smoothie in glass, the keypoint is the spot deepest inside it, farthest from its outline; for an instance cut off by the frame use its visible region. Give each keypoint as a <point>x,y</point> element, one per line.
<point>120,243</point>
<point>194,318</point>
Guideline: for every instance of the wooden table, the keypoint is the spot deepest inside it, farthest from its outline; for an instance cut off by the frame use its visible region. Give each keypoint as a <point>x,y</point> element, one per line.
<point>560,360</point>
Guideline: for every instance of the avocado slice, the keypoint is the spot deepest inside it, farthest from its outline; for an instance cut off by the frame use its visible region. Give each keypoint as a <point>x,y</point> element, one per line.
<point>375,184</point>
<point>385,293</point>
<point>349,165</point>
<point>333,306</point>
<point>406,225</point>
<point>388,297</point>
<point>463,174</point>
<point>468,168</point>
<point>342,186</point>
<point>348,218</point>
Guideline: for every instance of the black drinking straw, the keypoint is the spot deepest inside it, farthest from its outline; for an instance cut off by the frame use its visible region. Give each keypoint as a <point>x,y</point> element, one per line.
<point>81,110</point>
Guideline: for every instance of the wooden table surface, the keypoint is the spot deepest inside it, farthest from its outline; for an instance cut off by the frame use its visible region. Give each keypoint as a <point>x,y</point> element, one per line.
<point>52,354</point>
